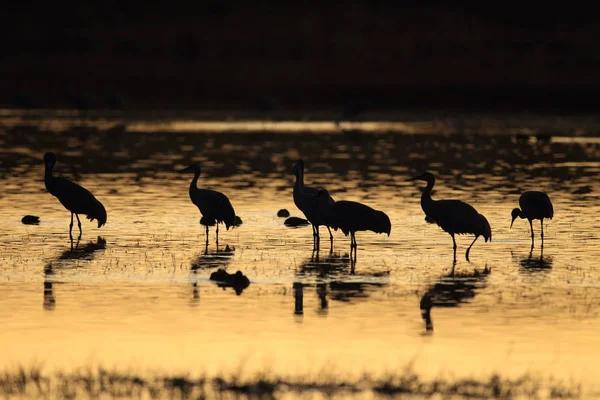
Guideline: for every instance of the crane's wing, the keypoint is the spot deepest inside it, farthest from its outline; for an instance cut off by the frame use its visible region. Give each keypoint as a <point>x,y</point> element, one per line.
<point>454,216</point>
<point>77,199</point>
<point>216,205</point>
<point>537,204</point>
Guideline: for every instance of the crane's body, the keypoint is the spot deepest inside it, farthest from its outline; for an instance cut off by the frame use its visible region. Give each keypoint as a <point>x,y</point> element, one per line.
<point>304,199</point>
<point>534,205</point>
<point>75,198</point>
<point>351,217</point>
<point>214,206</point>
<point>453,216</point>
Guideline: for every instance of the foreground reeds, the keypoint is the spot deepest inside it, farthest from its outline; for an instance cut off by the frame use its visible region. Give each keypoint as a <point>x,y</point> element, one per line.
<point>103,383</point>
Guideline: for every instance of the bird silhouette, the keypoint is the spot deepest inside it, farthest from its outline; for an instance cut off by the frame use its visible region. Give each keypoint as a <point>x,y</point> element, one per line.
<point>73,197</point>
<point>214,206</point>
<point>351,217</point>
<point>304,200</point>
<point>453,216</point>
<point>534,205</point>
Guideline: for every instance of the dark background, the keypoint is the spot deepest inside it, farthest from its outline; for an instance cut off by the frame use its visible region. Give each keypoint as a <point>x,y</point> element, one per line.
<point>266,56</point>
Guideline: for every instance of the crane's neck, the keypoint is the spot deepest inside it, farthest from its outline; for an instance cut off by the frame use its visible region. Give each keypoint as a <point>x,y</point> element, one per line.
<point>299,185</point>
<point>426,200</point>
<point>48,175</point>
<point>194,183</point>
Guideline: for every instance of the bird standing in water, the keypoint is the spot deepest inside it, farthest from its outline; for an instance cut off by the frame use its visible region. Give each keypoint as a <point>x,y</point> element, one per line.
<point>304,200</point>
<point>534,205</point>
<point>453,216</point>
<point>75,198</point>
<point>351,217</point>
<point>214,206</point>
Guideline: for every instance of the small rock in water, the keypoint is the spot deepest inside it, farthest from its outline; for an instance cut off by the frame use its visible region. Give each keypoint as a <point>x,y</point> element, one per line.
<point>238,221</point>
<point>283,213</point>
<point>296,222</point>
<point>30,220</point>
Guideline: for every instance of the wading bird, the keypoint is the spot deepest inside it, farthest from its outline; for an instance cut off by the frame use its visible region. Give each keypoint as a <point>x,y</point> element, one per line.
<point>534,205</point>
<point>304,200</point>
<point>453,216</point>
<point>73,197</point>
<point>351,217</point>
<point>214,206</point>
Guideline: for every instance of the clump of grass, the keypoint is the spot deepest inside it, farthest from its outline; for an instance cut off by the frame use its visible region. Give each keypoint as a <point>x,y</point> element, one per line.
<point>103,383</point>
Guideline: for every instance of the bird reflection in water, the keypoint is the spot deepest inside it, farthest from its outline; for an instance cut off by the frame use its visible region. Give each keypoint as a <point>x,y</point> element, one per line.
<point>330,273</point>
<point>531,264</point>
<point>451,291</point>
<point>86,252</point>
<point>215,259</point>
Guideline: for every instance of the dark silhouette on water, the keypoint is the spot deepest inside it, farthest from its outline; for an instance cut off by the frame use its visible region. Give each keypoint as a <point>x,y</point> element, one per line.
<point>330,273</point>
<point>73,197</point>
<point>451,291</point>
<point>283,213</point>
<point>30,220</point>
<point>214,206</point>
<point>217,258</point>
<point>351,217</point>
<point>534,205</point>
<point>86,252</point>
<point>49,299</point>
<point>453,216</point>
<point>295,222</point>
<point>531,264</point>
<point>238,281</point>
<point>304,200</point>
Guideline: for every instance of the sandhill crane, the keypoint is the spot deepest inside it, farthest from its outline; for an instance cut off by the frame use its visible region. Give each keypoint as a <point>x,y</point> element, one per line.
<point>73,197</point>
<point>351,217</point>
<point>304,200</point>
<point>453,216</point>
<point>534,205</point>
<point>214,206</point>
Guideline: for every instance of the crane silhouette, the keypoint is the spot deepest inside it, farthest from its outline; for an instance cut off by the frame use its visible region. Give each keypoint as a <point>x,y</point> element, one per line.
<point>75,198</point>
<point>534,205</point>
<point>351,217</point>
<point>304,200</point>
<point>214,206</point>
<point>453,216</point>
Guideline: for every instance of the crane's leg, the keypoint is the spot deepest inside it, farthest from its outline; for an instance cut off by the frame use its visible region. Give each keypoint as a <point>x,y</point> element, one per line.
<point>330,237</point>
<point>454,242</point>
<point>79,224</point>
<point>71,228</point>
<point>318,238</point>
<point>469,249</point>
<point>314,238</point>
<point>542,225</point>
<point>207,236</point>
<point>217,236</point>
<point>531,225</point>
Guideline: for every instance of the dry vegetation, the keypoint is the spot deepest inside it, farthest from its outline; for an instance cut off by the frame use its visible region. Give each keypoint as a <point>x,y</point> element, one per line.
<point>102,383</point>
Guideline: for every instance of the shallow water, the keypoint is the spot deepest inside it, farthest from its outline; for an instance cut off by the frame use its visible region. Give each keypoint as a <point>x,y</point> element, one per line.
<point>136,293</point>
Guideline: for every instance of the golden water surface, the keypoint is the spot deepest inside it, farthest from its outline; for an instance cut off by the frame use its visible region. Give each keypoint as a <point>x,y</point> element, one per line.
<point>136,293</point>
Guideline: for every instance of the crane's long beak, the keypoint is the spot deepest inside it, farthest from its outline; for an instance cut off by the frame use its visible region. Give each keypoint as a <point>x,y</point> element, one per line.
<point>511,222</point>
<point>414,179</point>
<point>185,169</point>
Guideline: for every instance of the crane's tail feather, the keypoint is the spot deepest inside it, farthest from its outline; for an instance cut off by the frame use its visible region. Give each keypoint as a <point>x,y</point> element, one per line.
<point>99,213</point>
<point>487,231</point>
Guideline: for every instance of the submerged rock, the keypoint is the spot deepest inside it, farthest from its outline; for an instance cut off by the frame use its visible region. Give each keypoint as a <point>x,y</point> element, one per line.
<point>30,220</point>
<point>295,222</point>
<point>237,281</point>
<point>283,213</point>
